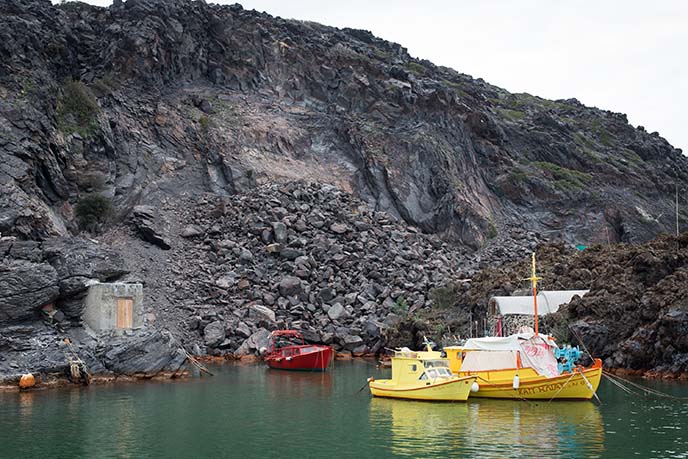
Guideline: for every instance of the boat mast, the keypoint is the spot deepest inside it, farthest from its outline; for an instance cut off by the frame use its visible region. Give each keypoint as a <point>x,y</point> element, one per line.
<point>533,280</point>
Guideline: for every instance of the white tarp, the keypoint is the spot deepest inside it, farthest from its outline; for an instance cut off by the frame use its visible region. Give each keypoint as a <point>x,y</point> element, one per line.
<point>506,343</point>
<point>536,352</point>
<point>493,360</point>
<point>548,302</point>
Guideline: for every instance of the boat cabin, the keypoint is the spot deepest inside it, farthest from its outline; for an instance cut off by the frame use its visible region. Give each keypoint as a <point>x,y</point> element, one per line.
<point>408,367</point>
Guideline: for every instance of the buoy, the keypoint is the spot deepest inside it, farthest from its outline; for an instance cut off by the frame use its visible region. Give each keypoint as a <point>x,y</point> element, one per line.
<point>516,383</point>
<point>27,381</point>
<point>475,387</point>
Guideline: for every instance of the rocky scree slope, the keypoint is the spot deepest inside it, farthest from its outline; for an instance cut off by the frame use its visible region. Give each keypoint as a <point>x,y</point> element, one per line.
<point>635,315</point>
<point>147,97</point>
<point>297,255</point>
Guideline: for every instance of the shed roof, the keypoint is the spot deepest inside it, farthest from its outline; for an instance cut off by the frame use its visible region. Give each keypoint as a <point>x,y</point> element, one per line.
<point>548,302</point>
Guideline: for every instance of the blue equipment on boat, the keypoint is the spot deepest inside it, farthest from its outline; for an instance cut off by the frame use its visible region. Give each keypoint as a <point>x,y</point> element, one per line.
<point>567,357</point>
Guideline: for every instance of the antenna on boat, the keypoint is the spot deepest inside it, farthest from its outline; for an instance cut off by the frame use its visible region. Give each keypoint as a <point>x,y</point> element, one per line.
<point>534,280</point>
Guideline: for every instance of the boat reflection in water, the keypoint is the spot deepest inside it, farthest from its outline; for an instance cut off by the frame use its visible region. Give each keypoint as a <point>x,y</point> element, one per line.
<point>298,384</point>
<point>488,428</point>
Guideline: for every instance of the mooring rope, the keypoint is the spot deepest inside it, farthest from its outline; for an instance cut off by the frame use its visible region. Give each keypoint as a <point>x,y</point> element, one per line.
<point>639,387</point>
<point>561,388</point>
<point>619,385</point>
<point>196,363</point>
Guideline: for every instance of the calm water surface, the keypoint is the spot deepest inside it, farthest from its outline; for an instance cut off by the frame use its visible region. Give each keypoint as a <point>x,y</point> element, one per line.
<point>249,411</point>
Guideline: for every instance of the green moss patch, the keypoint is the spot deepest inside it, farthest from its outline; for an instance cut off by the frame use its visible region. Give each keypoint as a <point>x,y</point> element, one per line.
<point>564,179</point>
<point>77,109</point>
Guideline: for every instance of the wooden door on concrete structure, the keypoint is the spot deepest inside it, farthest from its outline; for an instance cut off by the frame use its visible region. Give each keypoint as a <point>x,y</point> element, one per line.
<point>125,312</point>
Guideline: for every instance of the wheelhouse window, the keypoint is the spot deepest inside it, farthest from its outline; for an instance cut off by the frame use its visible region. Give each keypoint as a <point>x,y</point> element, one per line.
<point>435,373</point>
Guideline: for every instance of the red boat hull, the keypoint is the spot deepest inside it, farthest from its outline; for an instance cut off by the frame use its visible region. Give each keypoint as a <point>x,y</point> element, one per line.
<point>306,358</point>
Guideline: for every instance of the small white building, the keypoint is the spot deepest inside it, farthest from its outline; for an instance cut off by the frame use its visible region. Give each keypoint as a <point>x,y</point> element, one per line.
<point>114,306</point>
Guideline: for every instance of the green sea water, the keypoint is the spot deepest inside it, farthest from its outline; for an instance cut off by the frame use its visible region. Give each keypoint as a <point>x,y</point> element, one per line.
<point>250,411</point>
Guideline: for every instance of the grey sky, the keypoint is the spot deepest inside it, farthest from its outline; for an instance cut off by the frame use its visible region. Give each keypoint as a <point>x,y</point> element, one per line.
<point>623,55</point>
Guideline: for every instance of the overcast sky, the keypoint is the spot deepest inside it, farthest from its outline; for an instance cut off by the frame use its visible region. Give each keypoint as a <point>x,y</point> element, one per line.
<point>627,56</point>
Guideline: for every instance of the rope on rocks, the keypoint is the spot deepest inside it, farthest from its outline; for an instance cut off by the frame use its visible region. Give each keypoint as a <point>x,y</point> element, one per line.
<point>194,361</point>
<point>77,367</point>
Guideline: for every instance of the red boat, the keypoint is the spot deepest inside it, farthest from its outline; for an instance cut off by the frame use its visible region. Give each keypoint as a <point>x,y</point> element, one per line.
<point>287,350</point>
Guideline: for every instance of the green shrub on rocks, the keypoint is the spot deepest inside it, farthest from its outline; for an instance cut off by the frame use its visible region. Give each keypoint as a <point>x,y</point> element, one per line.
<point>92,211</point>
<point>444,297</point>
<point>204,122</point>
<point>565,179</point>
<point>401,306</point>
<point>77,109</point>
<point>415,67</point>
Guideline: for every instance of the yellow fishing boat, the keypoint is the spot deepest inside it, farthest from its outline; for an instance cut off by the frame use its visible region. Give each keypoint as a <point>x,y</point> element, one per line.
<point>422,375</point>
<point>526,365</point>
<point>522,366</point>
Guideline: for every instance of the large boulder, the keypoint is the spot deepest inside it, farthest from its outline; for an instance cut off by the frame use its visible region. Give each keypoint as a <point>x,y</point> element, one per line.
<point>150,226</point>
<point>257,342</point>
<point>336,312</point>
<point>261,313</point>
<point>145,352</point>
<point>214,333</point>
<point>290,286</point>
<point>280,231</point>
<point>25,287</point>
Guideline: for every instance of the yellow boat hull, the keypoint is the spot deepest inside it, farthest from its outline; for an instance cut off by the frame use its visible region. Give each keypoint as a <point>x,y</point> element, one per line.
<point>568,386</point>
<point>453,390</point>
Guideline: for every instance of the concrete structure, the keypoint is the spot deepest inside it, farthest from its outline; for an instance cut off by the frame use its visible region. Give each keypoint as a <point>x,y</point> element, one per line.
<point>507,314</point>
<point>116,306</point>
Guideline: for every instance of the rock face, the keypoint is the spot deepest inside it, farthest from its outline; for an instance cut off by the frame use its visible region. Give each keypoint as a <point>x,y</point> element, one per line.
<point>34,274</point>
<point>24,287</point>
<point>42,350</point>
<point>141,100</point>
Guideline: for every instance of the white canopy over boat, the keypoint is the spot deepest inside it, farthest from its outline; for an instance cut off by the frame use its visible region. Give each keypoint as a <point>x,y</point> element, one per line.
<point>504,343</point>
<point>536,351</point>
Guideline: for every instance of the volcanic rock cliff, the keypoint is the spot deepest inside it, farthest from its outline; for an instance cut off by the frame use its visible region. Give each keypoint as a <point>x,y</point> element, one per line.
<point>257,172</point>
<point>148,97</point>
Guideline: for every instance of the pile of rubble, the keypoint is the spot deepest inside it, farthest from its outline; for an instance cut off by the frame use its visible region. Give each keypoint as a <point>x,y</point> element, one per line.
<point>296,255</point>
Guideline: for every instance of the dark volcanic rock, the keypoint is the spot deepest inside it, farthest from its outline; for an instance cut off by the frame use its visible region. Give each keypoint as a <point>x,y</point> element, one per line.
<point>214,334</point>
<point>141,352</point>
<point>180,97</point>
<point>33,274</point>
<point>149,226</point>
<point>24,288</point>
